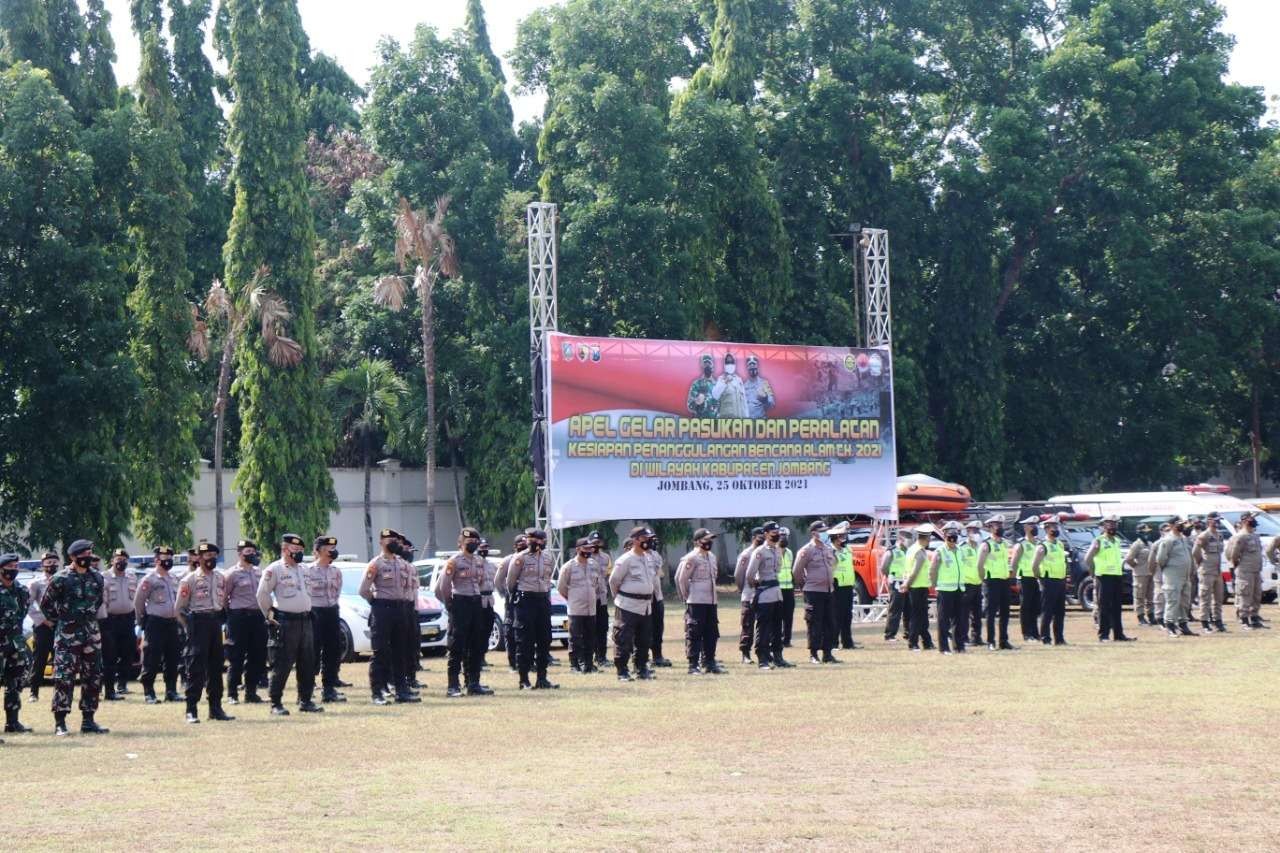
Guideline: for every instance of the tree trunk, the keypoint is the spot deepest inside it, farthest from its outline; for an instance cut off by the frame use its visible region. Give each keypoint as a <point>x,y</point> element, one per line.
<point>219,415</point>
<point>457,478</point>
<point>429,370</point>
<point>368,500</point>
<point>1256,441</point>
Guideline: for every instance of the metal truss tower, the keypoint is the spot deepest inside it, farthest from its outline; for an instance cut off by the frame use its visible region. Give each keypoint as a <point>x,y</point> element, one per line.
<point>874,245</point>
<point>543,319</point>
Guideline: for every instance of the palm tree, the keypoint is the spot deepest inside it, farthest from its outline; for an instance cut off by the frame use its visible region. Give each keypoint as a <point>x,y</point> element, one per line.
<point>367,399</point>
<point>424,241</point>
<point>282,351</point>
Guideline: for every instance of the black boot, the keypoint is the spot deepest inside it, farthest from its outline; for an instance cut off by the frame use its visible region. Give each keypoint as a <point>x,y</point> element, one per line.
<point>112,696</point>
<point>1185,630</point>
<point>89,727</point>
<point>624,674</point>
<point>233,696</point>
<point>11,724</point>
<point>453,692</point>
<point>1220,627</point>
<point>1142,619</point>
<point>1205,626</point>
<point>331,694</point>
<point>216,713</point>
<point>477,689</point>
<point>309,707</point>
<point>192,716</point>
<point>543,684</point>
<point>60,724</point>
<point>524,681</point>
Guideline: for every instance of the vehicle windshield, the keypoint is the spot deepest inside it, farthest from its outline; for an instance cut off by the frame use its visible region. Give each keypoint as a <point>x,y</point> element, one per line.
<point>1267,524</point>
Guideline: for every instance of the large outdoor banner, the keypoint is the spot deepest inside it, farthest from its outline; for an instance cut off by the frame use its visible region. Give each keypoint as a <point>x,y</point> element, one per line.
<point>680,429</point>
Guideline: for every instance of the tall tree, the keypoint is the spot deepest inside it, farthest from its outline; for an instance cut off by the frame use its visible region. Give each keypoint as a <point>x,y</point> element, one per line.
<point>162,446</point>
<point>283,483</point>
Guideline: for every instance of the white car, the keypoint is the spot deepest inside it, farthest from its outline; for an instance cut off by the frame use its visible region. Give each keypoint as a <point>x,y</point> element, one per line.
<point>429,578</point>
<point>353,615</point>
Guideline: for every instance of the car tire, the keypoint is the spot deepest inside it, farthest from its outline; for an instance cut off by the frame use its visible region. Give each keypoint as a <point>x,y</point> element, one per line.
<point>1085,595</point>
<point>348,646</point>
<point>498,636</point>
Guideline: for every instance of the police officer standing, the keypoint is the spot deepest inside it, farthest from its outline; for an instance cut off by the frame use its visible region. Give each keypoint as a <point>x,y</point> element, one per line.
<point>41,628</point>
<point>14,659</point>
<point>289,626</point>
<point>530,576</point>
<point>155,606</point>
<point>762,578</point>
<point>972,579</point>
<point>993,566</point>
<point>390,585</point>
<point>459,589</point>
<point>814,565</point>
<point>119,644</point>
<point>487,614</point>
<point>632,581</point>
<point>1105,562</point>
<point>918,570</point>
<point>1206,553</point>
<point>843,585</point>
<point>893,573</point>
<point>578,583</point>
<point>659,614</point>
<point>603,564</point>
<point>1022,558</point>
<point>1244,552</point>
<point>786,583</point>
<point>1137,559</point>
<point>696,583</point>
<point>71,603</point>
<point>748,612</point>
<point>246,629</point>
<point>947,578</point>
<point>1050,565</point>
<point>500,583</point>
<point>1173,555</point>
<point>202,596</point>
<point>324,585</point>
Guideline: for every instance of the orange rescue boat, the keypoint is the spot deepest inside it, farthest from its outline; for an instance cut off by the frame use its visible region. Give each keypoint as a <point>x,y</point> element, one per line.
<point>922,493</point>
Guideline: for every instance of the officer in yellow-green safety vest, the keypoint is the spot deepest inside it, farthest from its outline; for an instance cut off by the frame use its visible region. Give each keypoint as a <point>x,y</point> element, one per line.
<point>787,584</point>
<point>947,575</point>
<point>842,579</point>
<point>893,572</point>
<point>1022,558</point>
<point>994,569</point>
<point>917,584</point>
<point>1105,561</point>
<point>972,618</point>
<point>1051,564</point>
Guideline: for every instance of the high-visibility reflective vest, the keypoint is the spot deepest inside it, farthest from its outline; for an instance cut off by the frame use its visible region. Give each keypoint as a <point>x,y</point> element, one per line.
<point>843,573</point>
<point>922,579</point>
<point>898,565</point>
<point>784,571</point>
<point>997,564</point>
<point>949,572</point>
<point>1054,562</point>
<point>1025,557</point>
<point>1108,560</point>
<point>969,564</point>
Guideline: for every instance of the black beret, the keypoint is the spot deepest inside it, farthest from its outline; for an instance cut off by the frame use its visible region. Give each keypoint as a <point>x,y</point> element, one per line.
<point>583,542</point>
<point>162,551</point>
<point>329,541</point>
<point>207,548</point>
<point>818,526</point>
<point>120,552</point>
<point>80,546</point>
<point>757,531</point>
<point>49,555</point>
<point>770,526</point>
<point>6,559</point>
<point>246,543</point>
<point>387,531</point>
<point>702,533</point>
<point>468,532</point>
<point>291,539</point>
<point>640,531</point>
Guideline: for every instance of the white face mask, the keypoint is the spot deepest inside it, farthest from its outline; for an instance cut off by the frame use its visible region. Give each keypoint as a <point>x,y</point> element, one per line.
<point>731,369</point>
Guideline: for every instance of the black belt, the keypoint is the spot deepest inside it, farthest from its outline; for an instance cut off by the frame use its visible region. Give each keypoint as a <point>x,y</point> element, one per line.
<point>387,602</point>
<point>766,584</point>
<point>206,614</point>
<point>531,592</point>
<point>119,615</point>
<point>163,618</point>
<point>325,607</point>
<point>293,617</point>
<point>635,595</point>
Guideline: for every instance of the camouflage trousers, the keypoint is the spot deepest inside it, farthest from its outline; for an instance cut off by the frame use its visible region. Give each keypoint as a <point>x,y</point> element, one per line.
<point>77,655</point>
<point>15,669</point>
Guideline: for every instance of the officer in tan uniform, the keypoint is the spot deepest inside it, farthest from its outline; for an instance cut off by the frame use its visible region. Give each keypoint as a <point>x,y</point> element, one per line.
<point>1244,552</point>
<point>246,629</point>
<point>487,613</point>
<point>500,584</point>
<point>747,595</point>
<point>41,628</point>
<point>119,643</point>
<point>1138,561</point>
<point>762,579</point>
<point>812,573</point>
<point>1206,554</point>
<point>390,585</point>
<point>1173,555</point>
<point>632,583</point>
<point>603,564</point>
<point>529,577</point>
<point>1157,575</point>
<point>289,623</point>
<point>155,608</point>
<point>324,585</point>
<point>579,584</point>
<point>459,589</point>
<point>202,596</point>
<point>659,614</point>
<point>696,582</point>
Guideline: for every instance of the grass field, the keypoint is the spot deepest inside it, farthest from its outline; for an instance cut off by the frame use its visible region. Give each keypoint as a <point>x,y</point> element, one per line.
<point>1160,743</point>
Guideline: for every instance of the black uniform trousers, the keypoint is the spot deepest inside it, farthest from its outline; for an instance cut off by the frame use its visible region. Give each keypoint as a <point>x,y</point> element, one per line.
<point>328,644</point>
<point>748,618</point>
<point>631,635</point>
<point>247,633</point>
<point>659,615</point>
<point>533,627</point>
<point>1110,605</point>
<point>390,623</point>
<point>973,611</point>
<point>411,643</point>
<point>820,622</point>
<point>119,648</point>
<point>843,599</point>
<point>951,619</point>
<point>1053,607</point>
<point>582,641</point>
<point>1029,607</point>
<point>602,632</point>
<point>293,645</point>
<point>42,636</point>
<point>918,598</point>
<point>701,631</point>
<point>487,617</point>
<point>466,621</point>
<point>160,653</point>
<point>899,613</point>
<point>997,600</point>
<point>513,639</point>
<point>768,631</point>
<point>203,657</point>
<point>788,614</point>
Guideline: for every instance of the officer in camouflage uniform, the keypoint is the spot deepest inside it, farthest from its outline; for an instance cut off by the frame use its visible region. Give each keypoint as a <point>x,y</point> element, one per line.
<point>71,603</point>
<point>700,403</point>
<point>15,660</point>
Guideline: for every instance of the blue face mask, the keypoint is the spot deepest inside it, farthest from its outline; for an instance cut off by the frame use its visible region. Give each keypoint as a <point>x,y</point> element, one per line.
<point>824,538</point>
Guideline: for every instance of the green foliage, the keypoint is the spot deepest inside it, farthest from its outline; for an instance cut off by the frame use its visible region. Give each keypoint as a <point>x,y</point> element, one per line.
<point>283,483</point>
